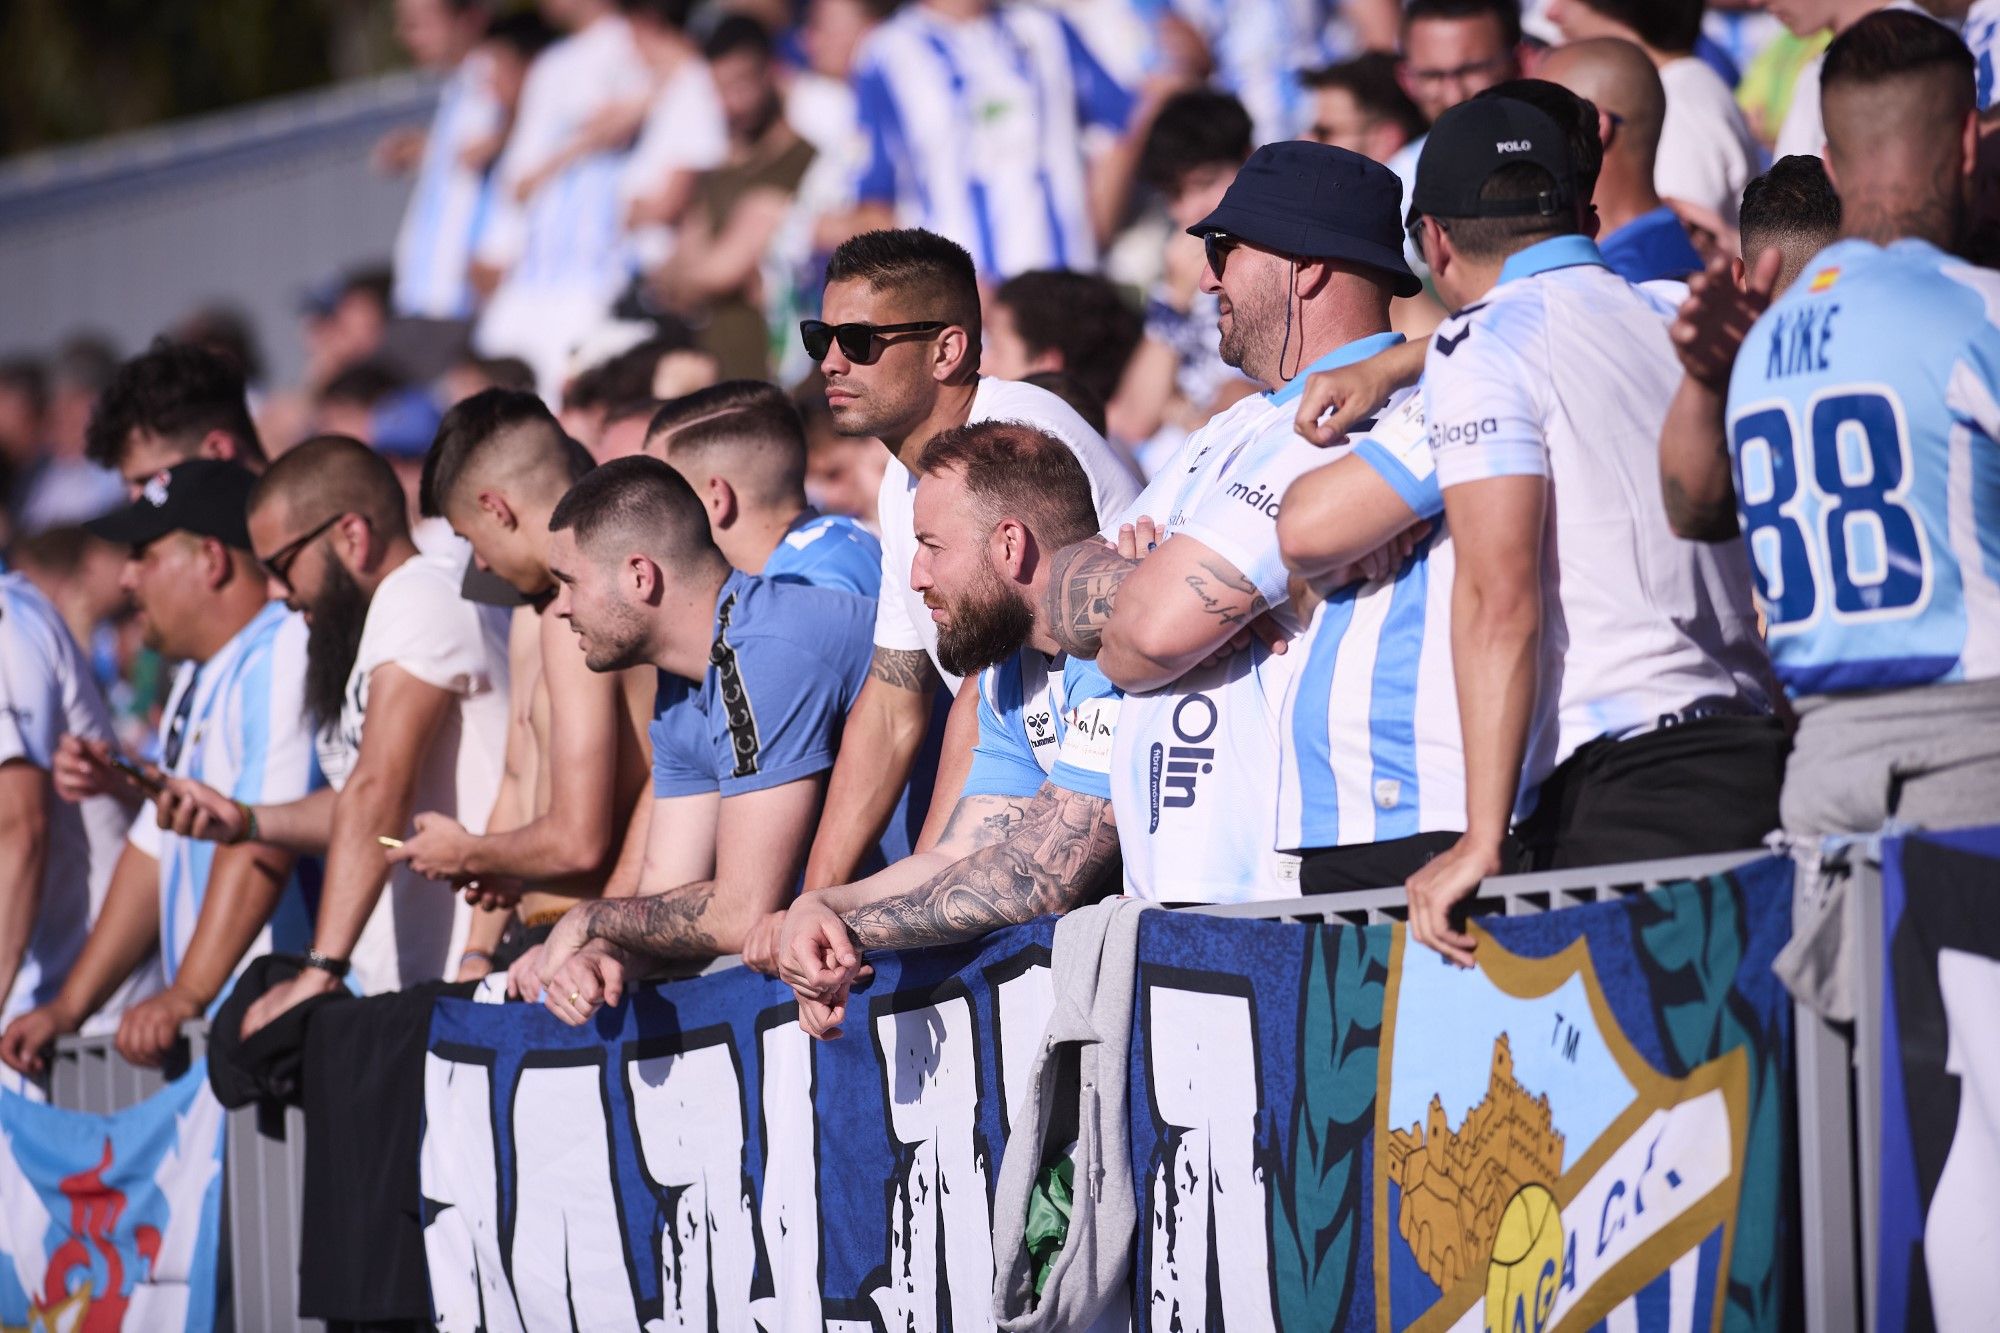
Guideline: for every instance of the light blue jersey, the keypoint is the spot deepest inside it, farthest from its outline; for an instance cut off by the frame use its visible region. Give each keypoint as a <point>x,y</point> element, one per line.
<point>238,723</point>
<point>1863,419</point>
<point>1982,34</point>
<point>1023,717</point>
<point>828,551</point>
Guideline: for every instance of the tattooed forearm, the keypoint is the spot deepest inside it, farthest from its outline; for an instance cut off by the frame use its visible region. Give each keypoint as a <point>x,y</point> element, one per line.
<point>1226,594</point>
<point>665,925</point>
<point>1083,586</point>
<point>906,669</point>
<point>1047,863</point>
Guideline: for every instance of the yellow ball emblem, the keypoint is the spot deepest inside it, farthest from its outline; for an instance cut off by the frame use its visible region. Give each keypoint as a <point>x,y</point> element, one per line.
<point>1526,1268</point>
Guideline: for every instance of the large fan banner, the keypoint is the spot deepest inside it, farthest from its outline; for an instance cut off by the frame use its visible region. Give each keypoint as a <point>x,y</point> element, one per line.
<point>111,1222</point>
<point>1939,1234</point>
<point>1327,1130</point>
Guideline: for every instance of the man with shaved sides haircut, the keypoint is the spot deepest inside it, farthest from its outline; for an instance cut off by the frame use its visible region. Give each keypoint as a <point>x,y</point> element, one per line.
<point>498,468</point>
<point>417,721</point>
<point>1642,239</point>
<point>1877,580</point>
<point>742,446</point>
<point>755,681</point>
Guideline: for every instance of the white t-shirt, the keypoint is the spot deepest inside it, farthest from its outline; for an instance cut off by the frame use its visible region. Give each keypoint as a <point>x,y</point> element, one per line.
<point>684,131</point>
<point>46,692</point>
<point>1707,153</point>
<point>418,622</point>
<point>1565,371</point>
<point>902,621</point>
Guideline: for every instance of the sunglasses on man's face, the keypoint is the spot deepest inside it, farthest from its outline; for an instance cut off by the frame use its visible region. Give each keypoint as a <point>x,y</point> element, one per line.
<point>1218,245</point>
<point>859,343</point>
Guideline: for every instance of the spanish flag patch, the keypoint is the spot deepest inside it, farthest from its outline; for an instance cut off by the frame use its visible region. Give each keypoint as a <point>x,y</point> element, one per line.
<point>1824,281</point>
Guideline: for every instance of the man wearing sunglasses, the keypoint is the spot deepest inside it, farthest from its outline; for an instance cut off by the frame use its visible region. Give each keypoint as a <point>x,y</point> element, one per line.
<point>234,719</point>
<point>407,682</point>
<point>898,345</point>
<point>1304,257</point>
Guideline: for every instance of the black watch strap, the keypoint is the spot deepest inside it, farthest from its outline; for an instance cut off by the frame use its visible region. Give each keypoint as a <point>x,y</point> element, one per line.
<point>333,967</point>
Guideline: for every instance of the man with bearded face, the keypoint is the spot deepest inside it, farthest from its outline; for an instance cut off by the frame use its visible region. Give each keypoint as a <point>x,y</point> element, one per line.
<point>236,717</point>
<point>1032,831</point>
<point>756,677</point>
<point>407,685</point>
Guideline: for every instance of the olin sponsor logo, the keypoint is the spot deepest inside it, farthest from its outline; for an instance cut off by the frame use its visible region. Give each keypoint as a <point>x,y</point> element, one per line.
<point>1174,771</point>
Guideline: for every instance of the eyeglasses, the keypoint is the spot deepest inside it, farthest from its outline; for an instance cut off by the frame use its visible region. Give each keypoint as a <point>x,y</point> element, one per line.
<point>859,343</point>
<point>1217,246</point>
<point>279,563</point>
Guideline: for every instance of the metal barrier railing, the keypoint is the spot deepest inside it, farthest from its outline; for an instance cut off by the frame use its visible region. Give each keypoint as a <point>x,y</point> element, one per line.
<point>265,1164</point>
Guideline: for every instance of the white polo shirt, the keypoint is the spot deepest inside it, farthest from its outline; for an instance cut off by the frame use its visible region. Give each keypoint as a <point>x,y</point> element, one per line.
<point>1564,370</point>
<point>902,621</point>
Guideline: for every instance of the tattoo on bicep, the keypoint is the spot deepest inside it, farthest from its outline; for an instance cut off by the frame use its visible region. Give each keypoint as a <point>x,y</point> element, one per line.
<point>1048,862</point>
<point>906,669</point>
<point>1083,587</point>
<point>665,925</point>
<point>1226,594</point>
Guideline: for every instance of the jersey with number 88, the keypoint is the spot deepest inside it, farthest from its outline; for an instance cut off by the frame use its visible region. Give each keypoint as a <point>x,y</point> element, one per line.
<point>1864,429</point>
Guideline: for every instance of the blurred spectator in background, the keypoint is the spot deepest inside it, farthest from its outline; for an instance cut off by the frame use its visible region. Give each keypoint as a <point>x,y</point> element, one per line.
<point>1359,105</point>
<point>1053,320</point>
<point>976,116</point>
<point>83,579</point>
<point>632,362</point>
<point>683,133</point>
<point>843,472</point>
<point>62,485</point>
<point>24,410</point>
<point>1804,128</point>
<point>1706,153</point>
<point>225,330</point>
<point>172,403</point>
<point>1642,240</point>
<point>716,275</point>
<point>624,430</point>
<point>347,403</point>
<point>473,373</point>
<point>1176,379</point>
<point>551,251</point>
<point>1452,50</point>
<point>441,220</point>
<point>510,46</point>
<point>344,321</point>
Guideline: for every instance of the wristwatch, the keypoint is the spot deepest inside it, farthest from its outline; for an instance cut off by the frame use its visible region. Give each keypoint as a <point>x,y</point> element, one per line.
<point>333,967</point>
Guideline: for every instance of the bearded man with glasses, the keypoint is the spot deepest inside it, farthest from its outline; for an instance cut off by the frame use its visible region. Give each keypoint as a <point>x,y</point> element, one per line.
<point>236,719</point>
<point>407,684</point>
<point>898,345</point>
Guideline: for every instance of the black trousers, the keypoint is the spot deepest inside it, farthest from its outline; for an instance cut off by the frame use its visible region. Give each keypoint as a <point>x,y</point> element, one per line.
<point>1707,786</point>
<point>1383,865</point>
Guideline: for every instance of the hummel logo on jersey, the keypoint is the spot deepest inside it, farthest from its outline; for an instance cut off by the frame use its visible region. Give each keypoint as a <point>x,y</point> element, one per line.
<point>1041,728</point>
<point>1446,346</point>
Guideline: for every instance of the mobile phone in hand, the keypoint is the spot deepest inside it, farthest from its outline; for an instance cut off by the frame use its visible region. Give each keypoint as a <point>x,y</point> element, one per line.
<point>139,777</point>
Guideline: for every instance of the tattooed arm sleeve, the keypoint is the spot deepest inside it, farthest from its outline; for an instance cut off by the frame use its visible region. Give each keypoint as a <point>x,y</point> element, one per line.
<point>1084,578</point>
<point>1047,863</point>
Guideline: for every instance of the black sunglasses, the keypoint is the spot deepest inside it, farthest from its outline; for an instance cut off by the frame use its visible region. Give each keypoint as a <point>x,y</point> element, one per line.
<point>859,343</point>
<point>1217,246</point>
<point>279,563</point>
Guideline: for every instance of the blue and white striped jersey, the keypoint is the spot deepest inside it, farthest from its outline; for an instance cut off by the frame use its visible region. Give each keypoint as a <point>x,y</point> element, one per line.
<point>1864,427</point>
<point>1023,716</point>
<point>1372,749</point>
<point>569,233</point>
<point>47,691</point>
<point>1564,371</point>
<point>1982,34</point>
<point>447,203</point>
<point>975,131</point>
<point>238,723</point>
<point>828,551</point>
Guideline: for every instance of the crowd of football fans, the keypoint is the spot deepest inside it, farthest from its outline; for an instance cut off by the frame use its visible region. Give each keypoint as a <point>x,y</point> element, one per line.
<point>852,475</point>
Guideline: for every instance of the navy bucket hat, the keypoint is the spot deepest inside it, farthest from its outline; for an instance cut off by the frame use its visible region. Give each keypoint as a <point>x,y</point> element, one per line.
<point>1315,201</point>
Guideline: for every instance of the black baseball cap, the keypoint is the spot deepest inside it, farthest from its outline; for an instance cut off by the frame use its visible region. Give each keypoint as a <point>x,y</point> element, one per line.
<point>1315,201</point>
<point>1475,139</point>
<point>206,496</point>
